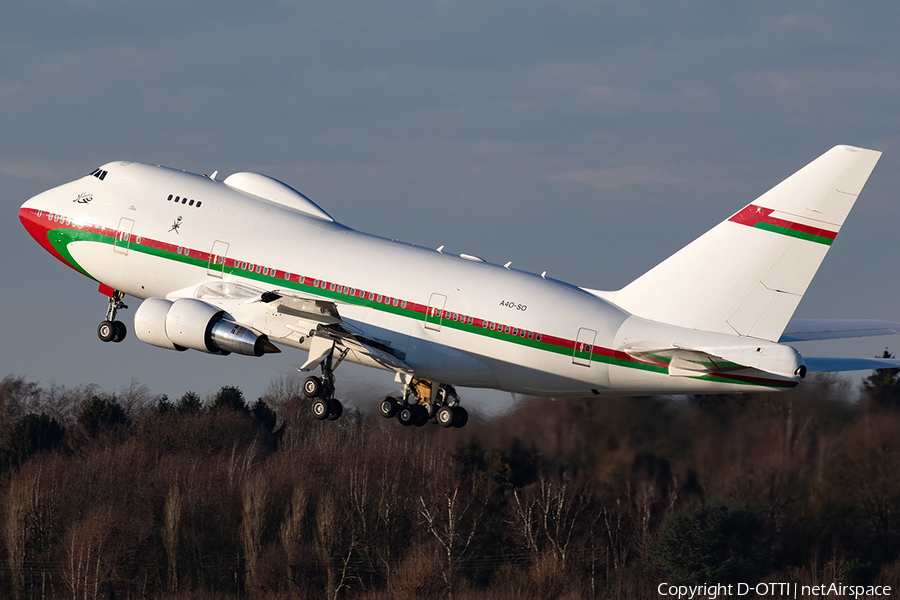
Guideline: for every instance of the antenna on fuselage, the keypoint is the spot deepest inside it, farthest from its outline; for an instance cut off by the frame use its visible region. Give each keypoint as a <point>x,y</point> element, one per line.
<point>213,176</point>
<point>440,248</point>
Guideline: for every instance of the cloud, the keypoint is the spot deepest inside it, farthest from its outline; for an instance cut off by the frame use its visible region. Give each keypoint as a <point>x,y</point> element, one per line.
<point>610,179</point>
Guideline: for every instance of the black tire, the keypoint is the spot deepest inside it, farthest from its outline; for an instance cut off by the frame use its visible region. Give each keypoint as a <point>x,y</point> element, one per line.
<point>106,331</point>
<point>445,416</point>
<point>320,408</point>
<point>121,331</point>
<point>389,407</point>
<point>421,416</point>
<point>312,387</point>
<point>337,409</point>
<point>407,415</point>
<point>462,416</point>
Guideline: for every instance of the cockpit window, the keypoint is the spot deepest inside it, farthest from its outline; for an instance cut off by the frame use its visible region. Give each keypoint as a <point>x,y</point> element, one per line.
<point>99,174</point>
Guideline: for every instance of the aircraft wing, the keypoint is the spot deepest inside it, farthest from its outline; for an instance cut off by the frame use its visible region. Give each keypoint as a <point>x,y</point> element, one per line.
<point>345,341</point>
<point>307,316</point>
<point>802,330</point>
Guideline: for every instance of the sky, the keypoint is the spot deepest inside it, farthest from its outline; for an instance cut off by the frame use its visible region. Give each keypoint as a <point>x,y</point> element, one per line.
<point>588,139</point>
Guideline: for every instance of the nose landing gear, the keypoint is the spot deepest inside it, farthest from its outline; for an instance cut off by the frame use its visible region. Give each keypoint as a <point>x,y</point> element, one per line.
<point>111,330</point>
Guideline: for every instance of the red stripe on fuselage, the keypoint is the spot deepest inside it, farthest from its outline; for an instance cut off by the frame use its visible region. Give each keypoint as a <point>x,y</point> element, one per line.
<point>39,228</point>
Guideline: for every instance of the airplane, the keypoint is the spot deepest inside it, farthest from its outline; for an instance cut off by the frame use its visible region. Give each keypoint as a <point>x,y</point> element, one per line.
<point>246,264</point>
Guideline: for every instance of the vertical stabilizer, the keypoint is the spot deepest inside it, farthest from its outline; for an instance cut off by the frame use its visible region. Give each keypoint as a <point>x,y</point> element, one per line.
<point>747,274</point>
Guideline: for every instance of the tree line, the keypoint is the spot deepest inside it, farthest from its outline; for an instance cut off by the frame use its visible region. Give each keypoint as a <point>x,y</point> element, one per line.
<point>130,495</point>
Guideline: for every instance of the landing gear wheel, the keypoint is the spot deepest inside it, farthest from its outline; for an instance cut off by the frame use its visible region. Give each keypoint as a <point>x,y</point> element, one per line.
<point>121,331</point>
<point>337,409</point>
<point>388,407</point>
<point>106,331</point>
<point>421,416</point>
<point>320,408</point>
<point>407,415</point>
<point>462,416</point>
<point>445,416</point>
<point>312,387</point>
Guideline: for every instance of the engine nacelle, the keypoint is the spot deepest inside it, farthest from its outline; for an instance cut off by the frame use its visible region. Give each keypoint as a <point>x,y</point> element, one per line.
<point>189,323</point>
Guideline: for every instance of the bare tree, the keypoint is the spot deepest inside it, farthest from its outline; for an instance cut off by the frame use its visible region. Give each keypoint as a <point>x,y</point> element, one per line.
<point>19,508</point>
<point>293,530</point>
<point>253,505</point>
<point>17,397</point>
<point>336,543</point>
<point>86,568</point>
<point>172,514</point>
<point>453,522</point>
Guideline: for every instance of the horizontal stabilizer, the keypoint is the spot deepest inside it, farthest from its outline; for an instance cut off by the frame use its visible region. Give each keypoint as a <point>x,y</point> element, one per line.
<point>803,330</point>
<point>816,364</point>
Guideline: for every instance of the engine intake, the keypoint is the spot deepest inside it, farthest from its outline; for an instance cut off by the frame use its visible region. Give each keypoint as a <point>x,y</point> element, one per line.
<point>190,323</point>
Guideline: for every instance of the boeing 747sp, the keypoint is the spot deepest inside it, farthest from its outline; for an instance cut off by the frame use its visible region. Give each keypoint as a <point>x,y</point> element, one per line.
<point>247,264</point>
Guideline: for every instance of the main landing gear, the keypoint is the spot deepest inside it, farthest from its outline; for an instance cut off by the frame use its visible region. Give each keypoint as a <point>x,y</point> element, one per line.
<point>111,330</point>
<point>321,390</point>
<point>423,402</point>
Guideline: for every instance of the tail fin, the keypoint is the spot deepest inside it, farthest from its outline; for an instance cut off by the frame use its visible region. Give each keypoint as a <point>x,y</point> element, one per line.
<point>747,274</point>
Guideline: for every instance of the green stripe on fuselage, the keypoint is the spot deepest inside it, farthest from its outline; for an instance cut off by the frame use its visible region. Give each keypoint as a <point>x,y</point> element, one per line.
<point>63,237</point>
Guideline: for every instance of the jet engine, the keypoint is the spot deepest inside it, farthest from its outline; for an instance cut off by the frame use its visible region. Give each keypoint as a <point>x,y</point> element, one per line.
<point>189,323</point>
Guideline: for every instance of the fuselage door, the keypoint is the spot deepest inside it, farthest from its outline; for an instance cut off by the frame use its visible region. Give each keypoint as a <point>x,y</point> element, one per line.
<point>217,256</point>
<point>435,312</point>
<point>123,235</point>
<point>584,347</point>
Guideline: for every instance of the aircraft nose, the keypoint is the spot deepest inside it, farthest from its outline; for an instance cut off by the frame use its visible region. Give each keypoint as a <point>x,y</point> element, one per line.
<point>31,209</point>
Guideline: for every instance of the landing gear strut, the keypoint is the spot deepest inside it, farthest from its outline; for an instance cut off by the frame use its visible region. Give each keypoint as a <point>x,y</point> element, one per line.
<point>425,401</point>
<point>320,389</point>
<point>111,330</point>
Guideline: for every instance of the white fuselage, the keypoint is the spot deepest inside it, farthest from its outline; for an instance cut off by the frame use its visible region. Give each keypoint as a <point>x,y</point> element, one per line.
<point>452,320</point>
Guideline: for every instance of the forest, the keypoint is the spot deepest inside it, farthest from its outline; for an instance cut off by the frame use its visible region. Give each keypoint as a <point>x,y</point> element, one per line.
<point>133,495</point>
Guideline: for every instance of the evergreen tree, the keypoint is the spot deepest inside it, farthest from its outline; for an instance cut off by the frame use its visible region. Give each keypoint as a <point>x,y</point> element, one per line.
<point>101,414</point>
<point>715,541</point>
<point>29,435</point>
<point>230,397</point>
<point>883,385</point>
<point>189,404</point>
<point>264,415</point>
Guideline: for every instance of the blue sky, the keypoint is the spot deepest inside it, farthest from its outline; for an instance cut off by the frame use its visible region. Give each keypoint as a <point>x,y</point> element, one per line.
<point>587,139</point>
